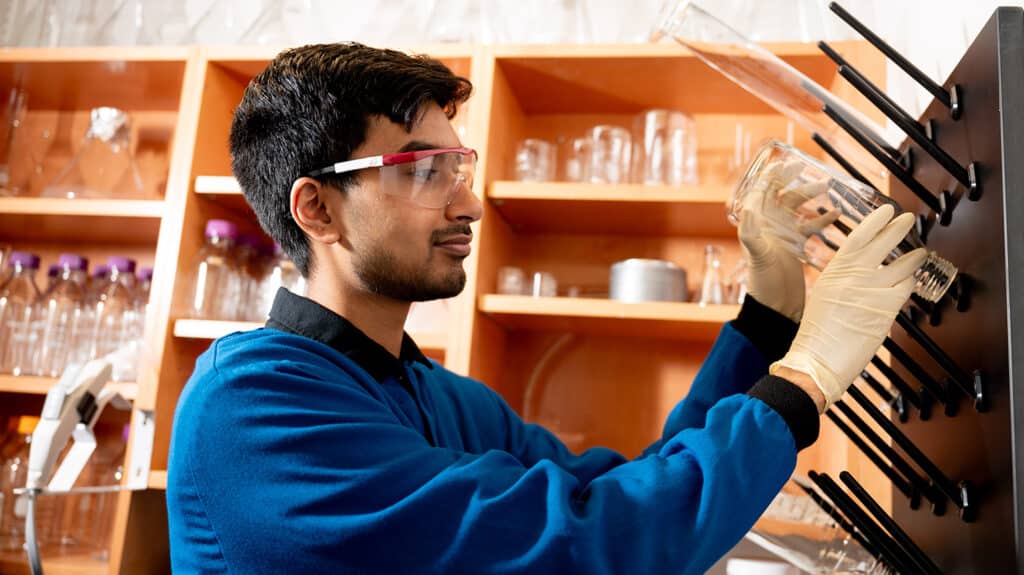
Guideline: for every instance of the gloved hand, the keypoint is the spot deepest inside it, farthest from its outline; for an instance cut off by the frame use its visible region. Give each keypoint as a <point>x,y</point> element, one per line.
<point>772,237</point>
<point>853,304</point>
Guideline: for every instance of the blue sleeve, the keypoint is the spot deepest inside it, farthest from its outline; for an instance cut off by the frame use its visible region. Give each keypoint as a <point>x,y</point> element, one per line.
<point>274,470</point>
<point>732,367</point>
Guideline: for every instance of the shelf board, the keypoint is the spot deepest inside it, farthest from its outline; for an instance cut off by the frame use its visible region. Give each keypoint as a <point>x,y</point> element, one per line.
<point>157,479</point>
<point>80,220</point>
<point>34,385</point>
<point>213,329</point>
<point>81,78</point>
<point>663,320</point>
<point>217,185</point>
<point>627,79</point>
<point>15,563</point>
<point>635,209</point>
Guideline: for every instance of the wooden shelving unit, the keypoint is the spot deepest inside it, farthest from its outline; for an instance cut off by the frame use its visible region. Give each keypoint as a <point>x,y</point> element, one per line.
<point>186,97</point>
<point>77,564</point>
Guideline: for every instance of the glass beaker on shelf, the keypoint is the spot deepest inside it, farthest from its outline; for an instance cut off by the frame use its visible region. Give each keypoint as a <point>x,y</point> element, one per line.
<point>853,200</point>
<point>14,116</point>
<point>664,148</point>
<point>104,165</point>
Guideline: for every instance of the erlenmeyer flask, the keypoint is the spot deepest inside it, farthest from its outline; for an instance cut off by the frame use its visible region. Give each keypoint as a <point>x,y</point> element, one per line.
<point>104,165</point>
<point>712,290</point>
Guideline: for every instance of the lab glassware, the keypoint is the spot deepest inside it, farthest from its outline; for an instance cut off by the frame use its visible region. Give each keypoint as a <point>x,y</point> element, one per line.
<point>665,148</point>
<point>610,155</point>
<point>104,165</point>
<point>61,314</point>
<point>712,289</point>
<point>851,198</point>
<point>216,286</point>
<point>19,316</point>
<point>535,161</point>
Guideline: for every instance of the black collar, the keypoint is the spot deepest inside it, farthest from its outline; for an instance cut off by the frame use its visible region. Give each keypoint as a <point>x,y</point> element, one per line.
<point>302,316</point>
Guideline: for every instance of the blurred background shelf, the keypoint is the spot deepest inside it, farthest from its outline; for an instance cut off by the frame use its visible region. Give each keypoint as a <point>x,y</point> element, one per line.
<point>662,320</point>
<point>80,220</point>
<point>213,329</point>
<point>15,563</point>
<point>633,209</point>
<point>35,385</point>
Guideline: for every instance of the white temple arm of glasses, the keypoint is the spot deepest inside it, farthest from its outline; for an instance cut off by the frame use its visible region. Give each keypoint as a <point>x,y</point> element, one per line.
<point>351,166</point>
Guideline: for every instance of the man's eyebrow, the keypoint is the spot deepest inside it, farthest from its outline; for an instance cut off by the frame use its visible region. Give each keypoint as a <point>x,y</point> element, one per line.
<point>418,145</point>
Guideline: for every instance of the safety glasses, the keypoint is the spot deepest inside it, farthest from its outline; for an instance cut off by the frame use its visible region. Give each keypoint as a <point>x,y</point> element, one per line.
<point>428,178</point>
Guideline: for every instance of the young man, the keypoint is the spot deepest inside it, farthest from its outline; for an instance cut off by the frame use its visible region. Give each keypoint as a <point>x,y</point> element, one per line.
<point>327,443</point>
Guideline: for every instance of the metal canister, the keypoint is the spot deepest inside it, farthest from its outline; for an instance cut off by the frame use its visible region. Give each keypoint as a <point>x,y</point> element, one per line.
<point>639,280</point>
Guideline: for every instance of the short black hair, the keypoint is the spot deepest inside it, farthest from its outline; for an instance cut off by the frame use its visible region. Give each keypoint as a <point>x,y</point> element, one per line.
<point>311,108</point>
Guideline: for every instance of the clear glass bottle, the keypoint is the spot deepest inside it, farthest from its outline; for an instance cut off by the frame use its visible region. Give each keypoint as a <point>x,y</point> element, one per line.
<point>283,273</point>
<point>18,310</point>
<point>216,284</point>
<point>61,314</point>
<point>115,318</point>
<point>13,475</point>
<point>251,269</point>
<point>711,287</point>
<point>13,118</point>
<point>106,469</point>
<point>104,166</point>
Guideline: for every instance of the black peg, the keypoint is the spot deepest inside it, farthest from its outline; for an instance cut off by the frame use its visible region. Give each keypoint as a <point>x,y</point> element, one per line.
<point>960,291</point>
<point>937,499</point>
<point>841,520</point>
<point>939,479</point>
<point>915,369</point>
<point>897,480</point>
<point>906,123</point>
<point>835,155</point>
<point>932,310</point>
<point>894,168</point>
<point>898,534</point>
<point>958,375</point>
<point>894,556</point>
<point>950,99</point>
<point>920,401</point>
<point>876,385</point>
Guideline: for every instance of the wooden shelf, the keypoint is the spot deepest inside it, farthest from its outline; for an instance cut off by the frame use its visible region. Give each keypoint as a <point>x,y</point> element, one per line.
<point>634,209</point>
<point>34,385</point>
<point>158,479</point>
<point>217,185</point>
<point>213,329</point>
<point>15,563</point>
<point>80,220</point>
<point>81,78</point>
<point>663,320</point>
<point>626,79</point>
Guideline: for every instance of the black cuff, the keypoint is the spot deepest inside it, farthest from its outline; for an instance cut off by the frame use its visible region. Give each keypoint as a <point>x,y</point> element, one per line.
<point>769,331</point>
<point>793,404</point>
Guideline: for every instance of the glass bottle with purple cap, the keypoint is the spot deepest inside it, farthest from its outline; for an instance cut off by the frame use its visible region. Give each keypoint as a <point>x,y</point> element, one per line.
<point>215,289</point>
<point>18,298</point>
<point>61,314</point>
<point>115,317</point>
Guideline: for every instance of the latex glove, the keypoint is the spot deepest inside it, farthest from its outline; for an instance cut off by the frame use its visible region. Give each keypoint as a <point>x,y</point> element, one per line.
<point>853,304</point>
<point>772,237</point>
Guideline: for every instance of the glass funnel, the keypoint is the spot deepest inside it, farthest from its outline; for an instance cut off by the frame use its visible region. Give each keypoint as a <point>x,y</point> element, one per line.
<point>104,165</point>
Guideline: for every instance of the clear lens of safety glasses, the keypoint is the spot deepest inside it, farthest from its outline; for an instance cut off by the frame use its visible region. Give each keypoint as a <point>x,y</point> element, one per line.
<point>430,181</point>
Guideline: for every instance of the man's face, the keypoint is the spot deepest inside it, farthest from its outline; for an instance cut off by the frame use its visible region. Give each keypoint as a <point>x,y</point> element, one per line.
<point>400,249</point>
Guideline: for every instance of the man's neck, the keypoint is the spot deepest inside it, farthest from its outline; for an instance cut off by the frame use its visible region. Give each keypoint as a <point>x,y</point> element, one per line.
<point>381,319</point>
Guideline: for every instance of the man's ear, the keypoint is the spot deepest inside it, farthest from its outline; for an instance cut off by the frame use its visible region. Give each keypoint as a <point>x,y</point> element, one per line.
<point>308,202</point>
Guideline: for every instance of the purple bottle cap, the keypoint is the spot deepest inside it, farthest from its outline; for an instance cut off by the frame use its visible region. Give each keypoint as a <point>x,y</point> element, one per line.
<point>278,250</point>
<point>121,264</point>
<point>23,259</point>
<point>101,270</point>
<point>145,274</point>
<point>52,271</point>
<point>127,429</point>
<point>251,240</point>
<point>73,262</point>
<point>221,229</point>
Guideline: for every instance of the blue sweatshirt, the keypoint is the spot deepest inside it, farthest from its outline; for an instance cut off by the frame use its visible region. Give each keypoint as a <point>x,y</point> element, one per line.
<point>288,457</point>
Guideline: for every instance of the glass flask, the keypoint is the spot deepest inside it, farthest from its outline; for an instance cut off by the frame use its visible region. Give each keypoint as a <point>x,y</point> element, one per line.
<point>712,289</point>
<point>115,319</point>
<point>104,166</point>
<point>768,77</point>
<point>14,115</point>
<point>784,214</point>
<point>664,148</point>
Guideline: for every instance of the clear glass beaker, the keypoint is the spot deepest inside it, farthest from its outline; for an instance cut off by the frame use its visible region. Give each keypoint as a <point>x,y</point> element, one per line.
<point>784,213</point>
<point>768,77</point>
